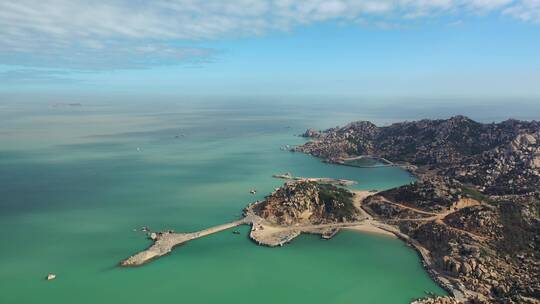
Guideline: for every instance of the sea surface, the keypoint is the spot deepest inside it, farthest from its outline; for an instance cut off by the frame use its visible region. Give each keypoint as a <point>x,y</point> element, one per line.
<point>78,182</point>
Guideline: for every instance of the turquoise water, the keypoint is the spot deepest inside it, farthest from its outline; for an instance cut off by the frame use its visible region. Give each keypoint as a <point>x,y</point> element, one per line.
<point>75,182</point>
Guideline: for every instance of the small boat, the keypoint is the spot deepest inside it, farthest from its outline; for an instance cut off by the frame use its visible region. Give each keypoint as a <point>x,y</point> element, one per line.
<point>236,232</point>
<point>51,276</point>
<point>253,191</point>
<point>145,229</point>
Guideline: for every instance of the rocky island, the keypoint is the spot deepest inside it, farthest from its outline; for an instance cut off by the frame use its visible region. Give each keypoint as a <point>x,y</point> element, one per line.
<point>473,214</point>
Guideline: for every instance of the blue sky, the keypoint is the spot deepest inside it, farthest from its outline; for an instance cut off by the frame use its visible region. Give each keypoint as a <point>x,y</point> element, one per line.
<point>477,48</point>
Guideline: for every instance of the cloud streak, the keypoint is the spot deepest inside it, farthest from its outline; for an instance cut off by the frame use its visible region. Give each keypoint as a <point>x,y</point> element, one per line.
<point>527,10</point>
<point>136,34</point>
<point>36,76</point>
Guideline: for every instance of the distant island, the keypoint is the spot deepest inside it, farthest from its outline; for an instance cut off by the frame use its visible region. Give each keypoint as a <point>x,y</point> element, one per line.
<point>473,214</point>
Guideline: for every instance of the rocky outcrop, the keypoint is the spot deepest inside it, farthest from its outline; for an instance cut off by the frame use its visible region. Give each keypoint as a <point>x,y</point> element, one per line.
<point>437,300</point>
<point>354,139</point>
<point>429,194</point>
<point>305,202</point>
<point>511,168</point>
<point>481,220</point>
<point>311,133</point>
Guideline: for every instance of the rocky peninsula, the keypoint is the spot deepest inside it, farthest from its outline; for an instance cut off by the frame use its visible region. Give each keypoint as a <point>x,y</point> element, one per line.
<point>473,214</point>
<point>304,205</point>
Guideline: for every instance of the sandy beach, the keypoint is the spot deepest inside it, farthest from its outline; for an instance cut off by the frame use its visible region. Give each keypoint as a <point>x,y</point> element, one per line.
<point>370,228</point>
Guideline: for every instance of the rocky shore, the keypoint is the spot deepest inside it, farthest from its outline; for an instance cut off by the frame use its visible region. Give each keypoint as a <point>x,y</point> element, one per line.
<point>475,208</point>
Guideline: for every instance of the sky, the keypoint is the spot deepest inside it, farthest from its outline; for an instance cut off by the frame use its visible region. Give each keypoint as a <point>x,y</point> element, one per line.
<point>384,48</point>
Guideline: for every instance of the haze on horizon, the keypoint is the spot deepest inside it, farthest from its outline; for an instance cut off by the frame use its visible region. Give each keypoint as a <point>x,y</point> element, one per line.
<point>386,48</point>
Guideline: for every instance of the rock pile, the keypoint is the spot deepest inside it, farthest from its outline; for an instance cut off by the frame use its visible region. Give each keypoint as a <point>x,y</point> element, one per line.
<point>437,300</point>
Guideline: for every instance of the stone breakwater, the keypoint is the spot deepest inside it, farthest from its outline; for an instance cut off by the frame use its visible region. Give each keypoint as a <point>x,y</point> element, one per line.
<point>322,180</point>
<point>165,242</point>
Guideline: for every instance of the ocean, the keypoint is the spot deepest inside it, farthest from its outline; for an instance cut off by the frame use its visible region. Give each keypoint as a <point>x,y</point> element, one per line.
<point>78,182</point>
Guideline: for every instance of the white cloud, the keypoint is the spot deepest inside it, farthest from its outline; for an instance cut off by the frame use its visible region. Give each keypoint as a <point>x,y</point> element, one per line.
<point>127,33</point>
<point>526,10</point>
<point>490,4</point>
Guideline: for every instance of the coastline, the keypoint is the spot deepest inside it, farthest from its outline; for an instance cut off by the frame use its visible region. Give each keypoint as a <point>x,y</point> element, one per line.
<point>375,226</point>
<point>458,292</point>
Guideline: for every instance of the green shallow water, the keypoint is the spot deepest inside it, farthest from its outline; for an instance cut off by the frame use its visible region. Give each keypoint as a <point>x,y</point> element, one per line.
<point>74,183</point>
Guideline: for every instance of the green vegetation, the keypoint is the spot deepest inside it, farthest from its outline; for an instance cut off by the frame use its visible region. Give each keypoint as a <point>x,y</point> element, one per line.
<point>484,252</point>
<point>363,162</point>
<point>476,195</point>
<point>518,234</point>
<point>337,201</point>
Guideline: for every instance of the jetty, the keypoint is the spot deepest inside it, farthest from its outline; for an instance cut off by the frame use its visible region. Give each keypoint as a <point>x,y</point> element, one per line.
<point>165,242</point>
<point>321,180</point>
<point>383,161</point>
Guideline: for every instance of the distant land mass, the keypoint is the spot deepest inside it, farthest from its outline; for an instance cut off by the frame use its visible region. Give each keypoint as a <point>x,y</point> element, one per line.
<point>473,214</point>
